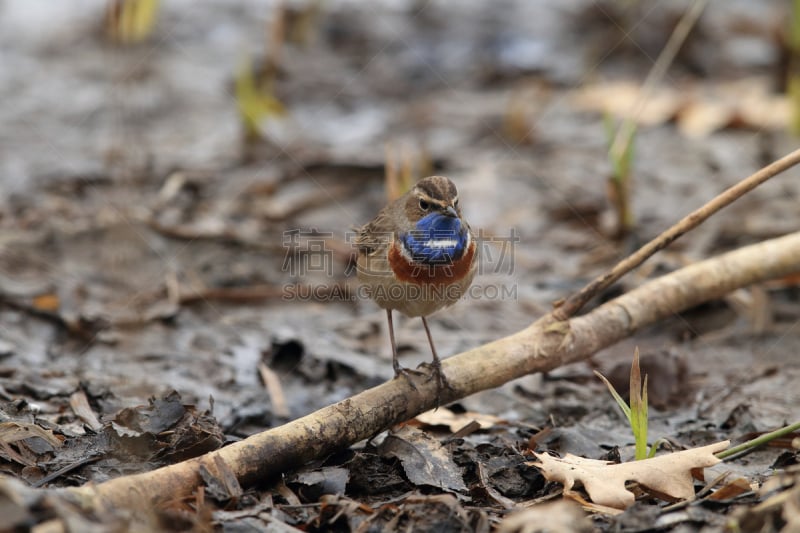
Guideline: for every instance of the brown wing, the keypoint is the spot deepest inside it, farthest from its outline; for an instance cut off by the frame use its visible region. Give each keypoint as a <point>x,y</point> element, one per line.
<point>374,234</point>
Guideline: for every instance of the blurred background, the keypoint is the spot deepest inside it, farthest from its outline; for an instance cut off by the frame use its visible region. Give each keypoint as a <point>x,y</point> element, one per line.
<point>180,181</point>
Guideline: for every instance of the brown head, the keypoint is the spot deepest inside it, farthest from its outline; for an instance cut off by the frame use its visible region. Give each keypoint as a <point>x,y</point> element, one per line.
<point>429,195</point>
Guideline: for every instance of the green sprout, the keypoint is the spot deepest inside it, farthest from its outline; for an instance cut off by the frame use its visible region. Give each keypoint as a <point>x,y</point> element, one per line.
<point>255,100</point>
<point>636,412</point>
<point>621,139</point>
<point>131,21</point>
<point>516,123</point>
<point>758,441</point>
<point>620,154</point>
<point>793,78</point>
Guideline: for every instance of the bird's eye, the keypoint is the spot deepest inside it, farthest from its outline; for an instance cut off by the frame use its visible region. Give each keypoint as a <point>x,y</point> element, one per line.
<point>424,205</point>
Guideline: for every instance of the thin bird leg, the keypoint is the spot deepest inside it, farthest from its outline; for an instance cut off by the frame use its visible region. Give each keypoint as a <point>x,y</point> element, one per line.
<point>398,370</point>
<point>441,379</point>
<point>395,364</point>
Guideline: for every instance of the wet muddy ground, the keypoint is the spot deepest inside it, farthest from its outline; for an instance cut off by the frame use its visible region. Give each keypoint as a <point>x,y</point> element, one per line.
<point>156,268</point>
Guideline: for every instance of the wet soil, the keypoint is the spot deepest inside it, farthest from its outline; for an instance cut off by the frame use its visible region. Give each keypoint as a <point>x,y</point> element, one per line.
<point>155,265</point>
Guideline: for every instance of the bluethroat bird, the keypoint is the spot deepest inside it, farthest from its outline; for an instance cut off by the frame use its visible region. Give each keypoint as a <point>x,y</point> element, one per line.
<point>417,256</point>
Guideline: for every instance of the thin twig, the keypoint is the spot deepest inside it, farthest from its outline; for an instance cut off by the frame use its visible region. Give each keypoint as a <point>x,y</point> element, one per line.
<point>574,303</point>
<point>623,137</point>
<point>66,469</point>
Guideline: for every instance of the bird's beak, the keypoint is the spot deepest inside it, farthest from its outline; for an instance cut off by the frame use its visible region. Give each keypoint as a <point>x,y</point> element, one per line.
<point>449,211</point>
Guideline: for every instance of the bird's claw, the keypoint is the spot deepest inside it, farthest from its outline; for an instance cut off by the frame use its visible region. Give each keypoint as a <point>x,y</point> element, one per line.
<point>406,373</point>
<point>441,380</point>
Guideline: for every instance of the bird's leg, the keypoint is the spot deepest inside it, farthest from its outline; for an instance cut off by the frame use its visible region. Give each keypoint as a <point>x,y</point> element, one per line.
<point>441,379</point>
<point>398,370</point>
<point>395,363</point>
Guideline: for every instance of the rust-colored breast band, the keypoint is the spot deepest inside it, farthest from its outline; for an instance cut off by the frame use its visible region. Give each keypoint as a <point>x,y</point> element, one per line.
<point>422,274</point>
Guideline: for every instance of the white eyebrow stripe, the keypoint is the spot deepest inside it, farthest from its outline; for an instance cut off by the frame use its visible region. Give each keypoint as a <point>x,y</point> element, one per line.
<point>441,243</point>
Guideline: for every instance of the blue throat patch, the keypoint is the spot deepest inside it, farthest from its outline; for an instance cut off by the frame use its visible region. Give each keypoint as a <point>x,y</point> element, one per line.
<point>437,240</point>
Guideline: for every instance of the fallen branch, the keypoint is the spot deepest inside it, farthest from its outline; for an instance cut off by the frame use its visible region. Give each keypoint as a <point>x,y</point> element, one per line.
<point>544,345</point>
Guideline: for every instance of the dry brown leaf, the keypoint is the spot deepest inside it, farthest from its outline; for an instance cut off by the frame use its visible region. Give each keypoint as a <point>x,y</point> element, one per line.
<point>424,459</point>
<point>732,489</point>
<point>456,421</point>
<point>699,110</point>
<point>80,406</point>
<point>747,103</point>
<point>494,494</point>
<point>272,382</point>
<point>780,481</point>
<point>781,501</point>
<point>14,431</point>
<point>702,119</point>
<point>561,516</point>
<point>590,507</point>
<point>621,99</point>
<point>665,475</point>
<point>47,302</point>
<point>791,511</point>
